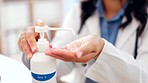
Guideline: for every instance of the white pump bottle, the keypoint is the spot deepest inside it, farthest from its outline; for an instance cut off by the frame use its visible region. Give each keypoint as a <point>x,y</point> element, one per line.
<point>43,67</point>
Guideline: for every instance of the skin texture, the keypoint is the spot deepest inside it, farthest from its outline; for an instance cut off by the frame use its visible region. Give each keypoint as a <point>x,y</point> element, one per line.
<point>112,7</point>
<point>81,50</point>
<point>28,39</point>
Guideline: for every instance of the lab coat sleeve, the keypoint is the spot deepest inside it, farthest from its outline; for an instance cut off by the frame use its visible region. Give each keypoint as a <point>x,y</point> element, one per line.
<point>116,66</point>
<point>25,61</point>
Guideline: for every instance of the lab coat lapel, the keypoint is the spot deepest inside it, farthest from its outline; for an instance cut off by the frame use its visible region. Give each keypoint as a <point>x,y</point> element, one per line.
<point>125,34</point>
<point>92,24</point>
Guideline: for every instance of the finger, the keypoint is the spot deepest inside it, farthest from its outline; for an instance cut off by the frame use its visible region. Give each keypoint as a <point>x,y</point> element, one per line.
<point>57,57</point>
<point>19,41</point>
<point>67,55</point>
<point>30,36</point>
<point>49,53</point>
<point>83,50</point>
<point>63,58</point>
<point>37,36</point>
<point>25,48</point>
<point>86,58</point>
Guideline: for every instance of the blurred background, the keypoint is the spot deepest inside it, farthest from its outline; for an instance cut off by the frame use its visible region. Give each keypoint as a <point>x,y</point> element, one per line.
<point>16,15</point>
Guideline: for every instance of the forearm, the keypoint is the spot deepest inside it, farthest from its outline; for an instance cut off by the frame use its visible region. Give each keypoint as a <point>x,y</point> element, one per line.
<point>115,66</point>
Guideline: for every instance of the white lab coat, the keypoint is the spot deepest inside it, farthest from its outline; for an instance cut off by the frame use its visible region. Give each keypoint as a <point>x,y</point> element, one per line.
<point>114,64</point>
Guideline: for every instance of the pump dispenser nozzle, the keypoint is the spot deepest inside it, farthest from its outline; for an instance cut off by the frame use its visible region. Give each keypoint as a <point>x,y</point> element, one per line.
<point>42,43</point>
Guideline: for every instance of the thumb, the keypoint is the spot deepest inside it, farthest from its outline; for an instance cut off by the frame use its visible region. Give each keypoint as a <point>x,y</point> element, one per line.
<point>84,50</point>
<point>85,53</point>
<point>40,23</point>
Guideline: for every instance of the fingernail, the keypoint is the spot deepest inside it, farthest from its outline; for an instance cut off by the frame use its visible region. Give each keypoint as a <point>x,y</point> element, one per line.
<point>79,54</point>
<point>50,46</point>
<point>34,49</point>
<point>29,57</point>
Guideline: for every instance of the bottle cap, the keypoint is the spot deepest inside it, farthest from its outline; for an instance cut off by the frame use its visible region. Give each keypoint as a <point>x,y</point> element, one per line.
<point>42,43</point>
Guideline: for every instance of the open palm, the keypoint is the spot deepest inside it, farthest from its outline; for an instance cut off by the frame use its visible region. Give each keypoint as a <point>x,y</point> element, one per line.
<point>81,50</point>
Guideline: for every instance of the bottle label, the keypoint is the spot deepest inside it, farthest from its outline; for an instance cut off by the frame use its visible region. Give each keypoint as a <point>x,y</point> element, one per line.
<point>43,77</point>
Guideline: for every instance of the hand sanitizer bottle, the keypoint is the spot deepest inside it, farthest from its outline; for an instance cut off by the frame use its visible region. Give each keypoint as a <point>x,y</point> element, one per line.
<point>43,67</point>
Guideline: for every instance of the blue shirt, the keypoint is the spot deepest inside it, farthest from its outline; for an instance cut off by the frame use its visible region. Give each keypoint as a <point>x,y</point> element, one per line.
<point>109,28</point>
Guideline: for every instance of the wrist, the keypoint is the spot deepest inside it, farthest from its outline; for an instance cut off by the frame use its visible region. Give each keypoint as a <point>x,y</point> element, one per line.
<point>100,48</point>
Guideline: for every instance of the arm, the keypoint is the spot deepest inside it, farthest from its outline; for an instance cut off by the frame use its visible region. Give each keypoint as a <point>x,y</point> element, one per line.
<point>116,66</point>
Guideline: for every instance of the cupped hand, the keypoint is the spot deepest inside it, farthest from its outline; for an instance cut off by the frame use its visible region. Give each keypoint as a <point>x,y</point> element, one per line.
<point>81,50</point>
